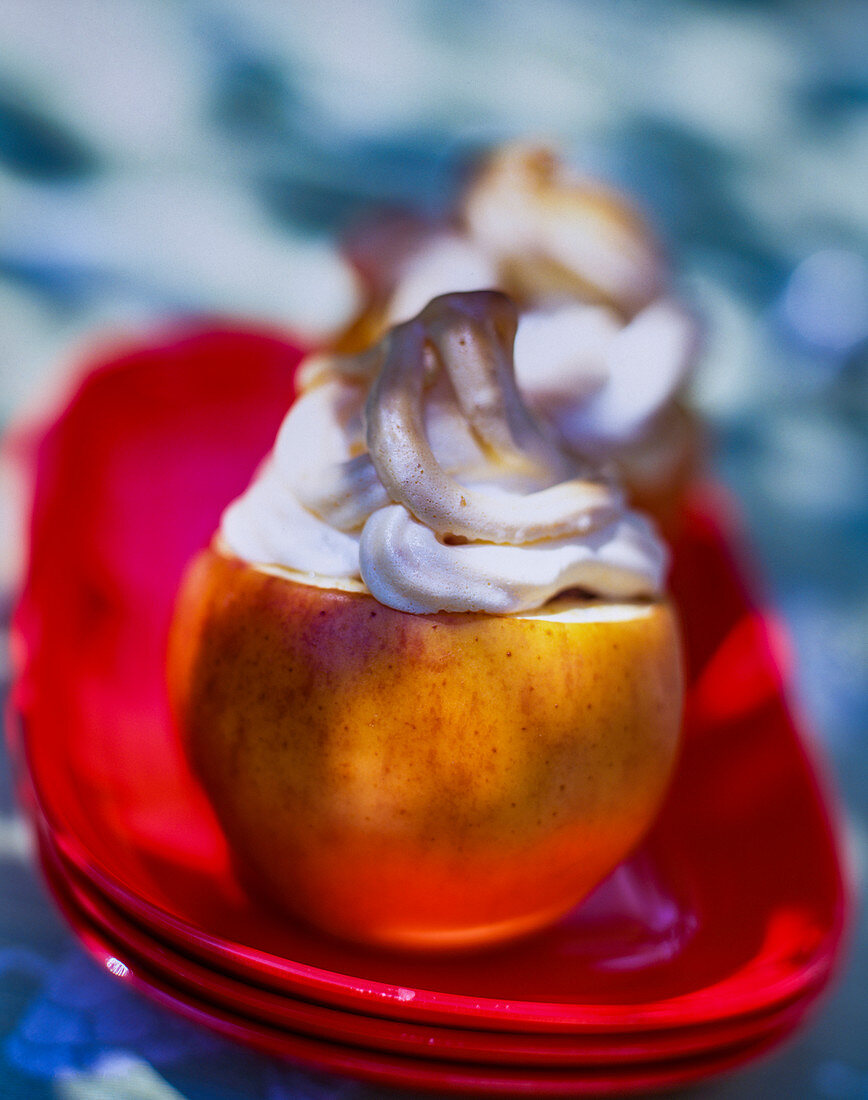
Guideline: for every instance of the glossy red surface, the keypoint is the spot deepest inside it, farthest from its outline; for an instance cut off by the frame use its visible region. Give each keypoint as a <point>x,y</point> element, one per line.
<point>429,1041</point>
<point>611,1077</point>
<point>734,905</point>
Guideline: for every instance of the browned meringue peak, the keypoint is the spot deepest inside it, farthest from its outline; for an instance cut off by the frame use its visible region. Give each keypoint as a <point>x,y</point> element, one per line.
<point>555,234</point>
<point>470,337</point>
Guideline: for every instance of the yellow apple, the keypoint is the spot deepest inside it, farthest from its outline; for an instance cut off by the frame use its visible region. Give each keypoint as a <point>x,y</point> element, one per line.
<point>422,781</point>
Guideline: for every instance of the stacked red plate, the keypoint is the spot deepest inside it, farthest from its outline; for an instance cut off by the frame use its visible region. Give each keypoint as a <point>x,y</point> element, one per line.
<point>710,945</point>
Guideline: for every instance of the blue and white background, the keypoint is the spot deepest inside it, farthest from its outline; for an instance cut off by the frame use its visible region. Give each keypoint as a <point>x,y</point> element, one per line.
<point>162,159</point>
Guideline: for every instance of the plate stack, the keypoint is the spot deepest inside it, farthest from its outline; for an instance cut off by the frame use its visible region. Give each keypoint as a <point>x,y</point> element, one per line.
<point>705,949</point>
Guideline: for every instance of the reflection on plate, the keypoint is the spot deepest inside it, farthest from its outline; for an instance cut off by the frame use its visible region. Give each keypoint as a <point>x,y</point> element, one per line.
<point>381,1033</point>
<point>606,1074</point>
<point>733,907</point>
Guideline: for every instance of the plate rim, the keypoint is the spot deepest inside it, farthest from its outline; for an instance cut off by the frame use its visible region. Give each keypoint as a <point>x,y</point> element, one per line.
<point>383,1067</point>
<point>158,955</point>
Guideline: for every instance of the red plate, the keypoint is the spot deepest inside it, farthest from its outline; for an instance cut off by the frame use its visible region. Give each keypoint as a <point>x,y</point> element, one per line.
<point>429,1041</point>
<point>466,1077</point>
<point>734,905</point>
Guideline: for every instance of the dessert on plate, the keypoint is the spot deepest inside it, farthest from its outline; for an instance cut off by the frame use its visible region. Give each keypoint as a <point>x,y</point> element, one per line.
<point>425,672</point>
<point>604,349</point>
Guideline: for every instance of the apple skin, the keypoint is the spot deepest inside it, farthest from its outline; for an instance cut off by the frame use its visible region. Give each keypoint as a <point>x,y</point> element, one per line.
<point>419,781</point>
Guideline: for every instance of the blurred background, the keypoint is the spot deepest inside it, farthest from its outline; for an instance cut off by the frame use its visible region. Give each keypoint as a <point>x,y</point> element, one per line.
<point>163,160</point>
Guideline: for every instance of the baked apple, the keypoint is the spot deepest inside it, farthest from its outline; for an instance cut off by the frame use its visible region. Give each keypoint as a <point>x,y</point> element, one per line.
<point>425,673</point>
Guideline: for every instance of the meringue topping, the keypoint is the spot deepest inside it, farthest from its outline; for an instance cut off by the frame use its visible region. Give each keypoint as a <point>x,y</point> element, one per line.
<point>418,468</point>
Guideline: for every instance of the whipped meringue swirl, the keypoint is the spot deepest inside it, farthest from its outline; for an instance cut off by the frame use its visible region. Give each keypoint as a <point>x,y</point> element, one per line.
<point>418,468</point>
